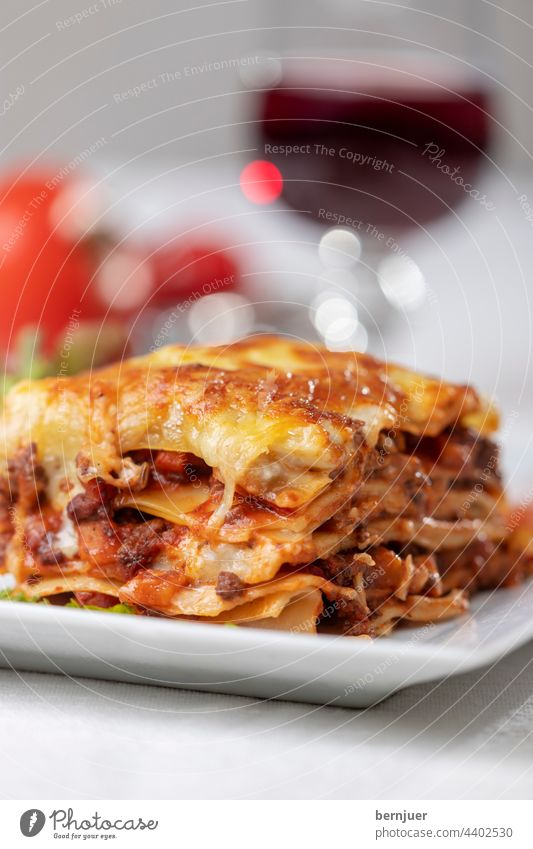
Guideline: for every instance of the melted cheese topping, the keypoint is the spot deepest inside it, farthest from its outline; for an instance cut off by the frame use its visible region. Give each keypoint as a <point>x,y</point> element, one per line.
<point>277,419</point>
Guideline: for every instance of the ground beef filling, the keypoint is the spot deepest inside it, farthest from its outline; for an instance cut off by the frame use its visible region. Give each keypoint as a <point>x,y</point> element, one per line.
<point>27,478</point>
<point>229,585</point>
<point>94,503</point>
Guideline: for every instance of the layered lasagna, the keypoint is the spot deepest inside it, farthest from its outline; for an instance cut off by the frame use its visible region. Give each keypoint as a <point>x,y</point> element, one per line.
<point>269,483</point>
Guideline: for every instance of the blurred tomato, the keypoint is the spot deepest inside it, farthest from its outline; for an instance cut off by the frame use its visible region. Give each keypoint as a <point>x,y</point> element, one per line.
<point>201,268</point>
<point>58,269</point>
<point>132,277</point>
<point>43,272</point>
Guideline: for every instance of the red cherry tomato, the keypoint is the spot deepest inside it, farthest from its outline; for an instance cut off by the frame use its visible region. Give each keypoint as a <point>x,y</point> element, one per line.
<point>200,269</point>
<point>131,277</point>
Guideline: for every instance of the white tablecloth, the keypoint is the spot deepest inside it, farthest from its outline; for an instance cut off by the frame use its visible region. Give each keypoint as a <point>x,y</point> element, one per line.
<point>470,737</point>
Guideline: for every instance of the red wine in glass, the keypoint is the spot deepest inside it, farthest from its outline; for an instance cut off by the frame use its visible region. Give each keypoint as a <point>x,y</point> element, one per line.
<point>384,145</point>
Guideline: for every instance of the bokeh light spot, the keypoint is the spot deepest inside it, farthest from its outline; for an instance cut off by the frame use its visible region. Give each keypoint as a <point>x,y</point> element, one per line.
<point>402,282</point>
<point>220,318</point>
<point>260,70</point>
<point>339,248</point>
<point>124,281</point>
<point>261,182</point>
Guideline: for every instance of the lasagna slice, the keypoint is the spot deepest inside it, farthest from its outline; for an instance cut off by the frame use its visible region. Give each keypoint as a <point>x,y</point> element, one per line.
<point>267,483</point>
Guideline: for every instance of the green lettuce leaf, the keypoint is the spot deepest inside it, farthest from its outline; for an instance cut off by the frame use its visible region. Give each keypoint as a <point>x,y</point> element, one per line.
<point>15,595</point>
<point>117,608</point>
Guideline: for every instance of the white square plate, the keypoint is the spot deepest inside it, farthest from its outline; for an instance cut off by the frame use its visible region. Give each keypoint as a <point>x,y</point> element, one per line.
<point>268,664</point>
